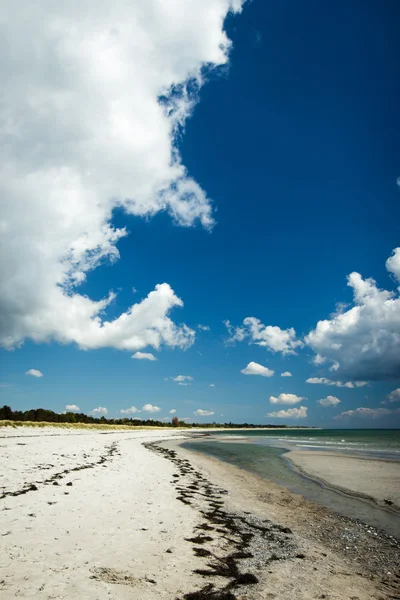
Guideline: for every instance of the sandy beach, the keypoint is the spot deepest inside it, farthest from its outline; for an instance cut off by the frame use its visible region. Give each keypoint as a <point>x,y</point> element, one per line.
<point>133,515</point>
<point>371,477</point>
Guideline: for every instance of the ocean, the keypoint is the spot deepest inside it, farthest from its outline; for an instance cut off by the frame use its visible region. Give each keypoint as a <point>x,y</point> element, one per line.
<point>263,452</point>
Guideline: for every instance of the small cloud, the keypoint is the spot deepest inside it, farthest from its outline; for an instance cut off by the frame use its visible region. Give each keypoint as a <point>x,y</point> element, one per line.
<point>290,413</point>
<point>143,356</point>
<point>286,399</point>
<point>134,290</point>
<point>371,413</point>
<point>286,374</point>
<point>129,411</point>
<point>393,397</point>
<point>254,368</point>
<point>325,381</point>
<point>34,373</point>
<point>172,411</point>
<point>329,401</point>
<point>182,383</point>
<point>181,378</point>
<point>212,385</point>
<point>150,408</point>
<point>100,410</point>
<point>203,327</point>
<point>72,408</point>
<point>319,360</point>
<point>203,413</point>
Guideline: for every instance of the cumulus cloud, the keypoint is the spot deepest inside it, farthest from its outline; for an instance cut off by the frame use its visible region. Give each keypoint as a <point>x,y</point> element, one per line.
<point>254,368</point>
<point>347,384</point>
<point>72,408</point>
<point>92,104</point>
<point>150,408</point>
<point>182,378</point>
<point>393,397</point>
<point>203,327</point>
<point>271,337</point>
<point>286,374</point>
<point>172,411</point>
<point>286,399</point>
<point>371,413</point>
<point>143,356</point>
<point>100,410</point>
<point>212,384</point>
<point>393,264</point>
<point>34,373</point>
<point>319,360</point>
<point>129,411</point>
<point>329,401</point>
<point>203,413</point>
<point>290,413</point>
<point>363,342</point>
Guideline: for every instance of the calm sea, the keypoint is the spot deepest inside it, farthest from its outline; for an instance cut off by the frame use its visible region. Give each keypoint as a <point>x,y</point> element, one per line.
<point>263,453</point>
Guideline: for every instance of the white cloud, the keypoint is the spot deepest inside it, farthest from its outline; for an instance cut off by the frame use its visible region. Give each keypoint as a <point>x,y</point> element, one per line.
<point>212,385</point>
<point>286,399</point>
<point>129,411</point>
<point>329,401</point>
<point>254,368</point>
<point>182,378</point>
<point>271,337</point>
<point>92,104</point>
<point>290,413</point>
<point>172,411</point>
<point>347,384</point>
<point>150,408</point>
<point>100,410</point>
<point>319,360</point>
<point>394,396</point>
<point>183,383</point>
<point>286,374</point>
<point>372,413</point>
<point>72,408</point>
<point>203,327</point>
<point>363,342</point>
<point>203,413</point>
<point>34,373</point>
<point>143,356</point>
<point>393,263</point>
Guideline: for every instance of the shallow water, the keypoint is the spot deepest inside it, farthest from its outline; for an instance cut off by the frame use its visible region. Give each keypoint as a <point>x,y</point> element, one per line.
<point>269,462</point>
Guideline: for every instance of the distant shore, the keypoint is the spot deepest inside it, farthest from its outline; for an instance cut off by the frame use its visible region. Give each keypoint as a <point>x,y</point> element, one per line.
<point>131,515</point>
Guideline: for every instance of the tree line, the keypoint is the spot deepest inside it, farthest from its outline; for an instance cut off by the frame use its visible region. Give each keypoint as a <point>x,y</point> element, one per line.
<point>49,416</point>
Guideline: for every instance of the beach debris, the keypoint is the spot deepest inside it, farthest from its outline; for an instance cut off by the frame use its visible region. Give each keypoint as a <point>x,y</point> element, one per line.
<point>241,543</point>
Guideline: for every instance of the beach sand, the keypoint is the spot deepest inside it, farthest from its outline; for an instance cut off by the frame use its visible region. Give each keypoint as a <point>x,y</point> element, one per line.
<point>370,477</point>
<point>100,515</point>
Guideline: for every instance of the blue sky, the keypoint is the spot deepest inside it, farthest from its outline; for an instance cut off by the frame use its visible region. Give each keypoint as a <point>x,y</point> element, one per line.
<point>290,144</point>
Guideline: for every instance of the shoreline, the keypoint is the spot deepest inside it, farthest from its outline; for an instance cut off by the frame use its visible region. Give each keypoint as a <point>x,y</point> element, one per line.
<point>135,516</point>
<point>346,547</point>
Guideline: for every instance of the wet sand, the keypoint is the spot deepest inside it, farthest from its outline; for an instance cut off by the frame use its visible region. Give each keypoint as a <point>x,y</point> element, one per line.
<point>373,478</point>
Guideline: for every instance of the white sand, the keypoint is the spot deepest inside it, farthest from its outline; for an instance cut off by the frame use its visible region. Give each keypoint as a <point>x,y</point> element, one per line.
<point>119,531</point>
<point>117,521</point>
<point>377,479</point>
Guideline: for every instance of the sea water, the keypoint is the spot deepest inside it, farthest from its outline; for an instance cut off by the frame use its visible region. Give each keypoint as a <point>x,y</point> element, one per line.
<point>263,452</point>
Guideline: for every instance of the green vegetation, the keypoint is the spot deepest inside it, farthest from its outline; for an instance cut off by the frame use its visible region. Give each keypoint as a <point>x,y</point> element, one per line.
<point>40,417</point>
